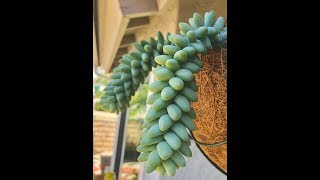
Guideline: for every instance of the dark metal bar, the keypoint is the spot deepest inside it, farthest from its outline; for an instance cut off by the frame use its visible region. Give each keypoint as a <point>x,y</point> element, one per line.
<point>120,144</point>
<point>96,24</point>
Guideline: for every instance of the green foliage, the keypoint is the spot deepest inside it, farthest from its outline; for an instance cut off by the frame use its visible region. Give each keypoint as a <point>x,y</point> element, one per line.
<point>98,106</point>
<point>138,103</point>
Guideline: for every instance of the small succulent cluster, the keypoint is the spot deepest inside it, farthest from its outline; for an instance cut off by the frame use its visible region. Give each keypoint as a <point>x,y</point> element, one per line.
<point>165,140</point>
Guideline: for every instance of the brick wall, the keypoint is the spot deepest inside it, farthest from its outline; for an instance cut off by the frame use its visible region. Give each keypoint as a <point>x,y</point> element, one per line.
<point>103,136</point>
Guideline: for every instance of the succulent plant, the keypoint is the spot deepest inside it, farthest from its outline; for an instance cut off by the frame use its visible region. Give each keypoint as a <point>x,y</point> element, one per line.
<point>165,139</point>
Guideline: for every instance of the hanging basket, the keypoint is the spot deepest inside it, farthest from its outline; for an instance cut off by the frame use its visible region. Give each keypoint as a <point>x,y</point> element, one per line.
<point>211,108</point>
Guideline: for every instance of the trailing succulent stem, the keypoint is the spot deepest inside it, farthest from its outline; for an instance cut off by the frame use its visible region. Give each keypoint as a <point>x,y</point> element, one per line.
<point>133,69</point>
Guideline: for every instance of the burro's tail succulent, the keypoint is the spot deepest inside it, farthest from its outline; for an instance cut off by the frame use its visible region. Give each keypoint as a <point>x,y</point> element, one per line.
<point>133,69</point>
<point>165,140</point>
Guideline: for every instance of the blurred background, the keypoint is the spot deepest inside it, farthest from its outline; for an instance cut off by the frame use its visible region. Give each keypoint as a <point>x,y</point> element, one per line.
<point>117,24</point>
